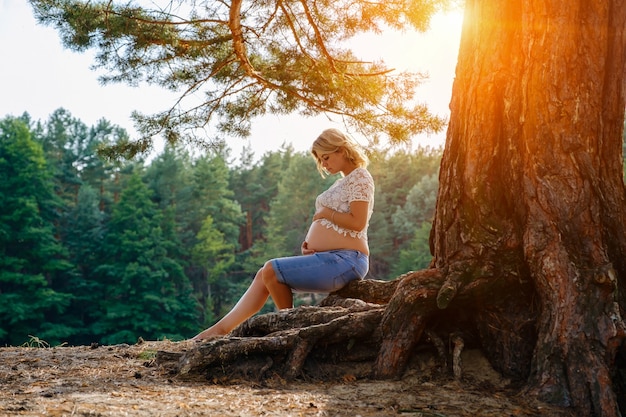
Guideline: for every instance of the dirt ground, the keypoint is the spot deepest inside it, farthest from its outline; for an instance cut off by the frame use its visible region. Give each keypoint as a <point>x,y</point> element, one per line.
<point>123,380</point>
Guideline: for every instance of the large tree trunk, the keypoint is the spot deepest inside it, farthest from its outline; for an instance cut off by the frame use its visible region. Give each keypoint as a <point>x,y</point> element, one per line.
<point>531,193</point>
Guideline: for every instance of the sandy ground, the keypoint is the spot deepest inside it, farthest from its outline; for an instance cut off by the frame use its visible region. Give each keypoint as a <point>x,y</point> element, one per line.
<point>123,380</point>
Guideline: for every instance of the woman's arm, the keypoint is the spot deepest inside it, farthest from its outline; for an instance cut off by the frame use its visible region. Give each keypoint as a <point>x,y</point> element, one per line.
<point>355,219</point>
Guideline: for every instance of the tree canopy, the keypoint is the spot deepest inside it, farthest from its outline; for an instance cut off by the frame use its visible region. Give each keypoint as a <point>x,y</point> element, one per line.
<point>231,62</point>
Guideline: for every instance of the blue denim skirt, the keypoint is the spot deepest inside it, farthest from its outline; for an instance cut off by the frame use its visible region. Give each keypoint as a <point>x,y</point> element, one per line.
<point>321,272</point>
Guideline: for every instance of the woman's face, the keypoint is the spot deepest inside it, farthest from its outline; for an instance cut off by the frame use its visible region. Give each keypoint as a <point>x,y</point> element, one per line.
<point>334,162</point>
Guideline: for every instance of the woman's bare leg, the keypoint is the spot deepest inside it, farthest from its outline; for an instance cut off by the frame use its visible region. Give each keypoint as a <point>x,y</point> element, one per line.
<point>250,302</point>
<point>264,284</point>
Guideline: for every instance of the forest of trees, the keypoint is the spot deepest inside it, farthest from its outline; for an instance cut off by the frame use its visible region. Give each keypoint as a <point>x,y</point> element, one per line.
<point>107,251</point>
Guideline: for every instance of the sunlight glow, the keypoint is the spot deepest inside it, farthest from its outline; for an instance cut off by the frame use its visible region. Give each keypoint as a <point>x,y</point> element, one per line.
<point>432,53</point>
<point>415,51</point>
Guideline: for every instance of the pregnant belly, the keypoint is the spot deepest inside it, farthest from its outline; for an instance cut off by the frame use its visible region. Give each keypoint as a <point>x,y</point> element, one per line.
<point>320,239</point>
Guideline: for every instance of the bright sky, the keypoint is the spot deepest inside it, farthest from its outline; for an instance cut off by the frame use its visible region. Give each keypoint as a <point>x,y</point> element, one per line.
<point>38,76</point>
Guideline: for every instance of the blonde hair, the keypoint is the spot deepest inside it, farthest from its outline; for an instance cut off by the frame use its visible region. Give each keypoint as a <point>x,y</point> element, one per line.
<point>331,140</point>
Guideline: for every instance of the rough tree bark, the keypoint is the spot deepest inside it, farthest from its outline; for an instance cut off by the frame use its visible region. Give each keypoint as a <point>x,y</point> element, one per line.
<point>531,194</point>
<point>529,234</point>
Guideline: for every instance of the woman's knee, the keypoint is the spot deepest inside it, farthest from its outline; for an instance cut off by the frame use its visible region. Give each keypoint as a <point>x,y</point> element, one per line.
<point>268,275</point>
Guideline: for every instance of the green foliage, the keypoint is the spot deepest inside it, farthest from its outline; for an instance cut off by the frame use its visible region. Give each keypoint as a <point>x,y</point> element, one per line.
<point>147,293</point>
<point>212,251</point>
<point>418,208</point>
<point>212,197</point>
<point>285,58</point>
<point>216,257</point>
<point>83,235</point>
<point>32,261</point>
<point>256,186</point>
<point>417,255</point>
<point>406,184</point>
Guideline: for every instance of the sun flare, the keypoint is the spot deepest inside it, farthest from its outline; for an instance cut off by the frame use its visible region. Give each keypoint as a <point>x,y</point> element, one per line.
<point>440,42</point>
<point>411,50</point>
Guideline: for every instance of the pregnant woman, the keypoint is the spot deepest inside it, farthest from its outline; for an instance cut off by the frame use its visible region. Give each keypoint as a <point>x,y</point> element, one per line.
<point>335,250</point>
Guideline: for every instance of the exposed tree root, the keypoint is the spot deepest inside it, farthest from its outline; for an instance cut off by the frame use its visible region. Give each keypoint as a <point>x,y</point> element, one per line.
<point>342,336</point>
<point>458,343</point>
<point>439,346</point>
<point>283,342</point>
<point>405,319</point>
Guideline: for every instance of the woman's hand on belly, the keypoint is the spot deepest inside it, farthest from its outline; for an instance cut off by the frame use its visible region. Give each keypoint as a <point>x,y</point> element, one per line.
<point>305,249</point>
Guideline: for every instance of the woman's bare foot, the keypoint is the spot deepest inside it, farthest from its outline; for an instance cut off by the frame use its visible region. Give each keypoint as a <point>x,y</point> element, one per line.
<point>208,334</point>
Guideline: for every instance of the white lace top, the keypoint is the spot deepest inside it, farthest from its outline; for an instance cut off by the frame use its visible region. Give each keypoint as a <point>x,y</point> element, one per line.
<point>356,186</point>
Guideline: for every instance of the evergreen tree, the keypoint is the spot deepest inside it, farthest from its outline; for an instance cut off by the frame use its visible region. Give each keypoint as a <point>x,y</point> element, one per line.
<point>395,175</point>
<point>213,198</point>
<point>416,255</point>
<point>241,178</point>
<point>255,186</point>
<point>32,262</point>
<point>64,140</point>
<point>71,151</point>
<point>169,176</point>
<point>84,237</point>
<point>418,208</point>
<point>531,208</point>
<point>100,173</point>
<point>216,257</point>
<point>147,293</point>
